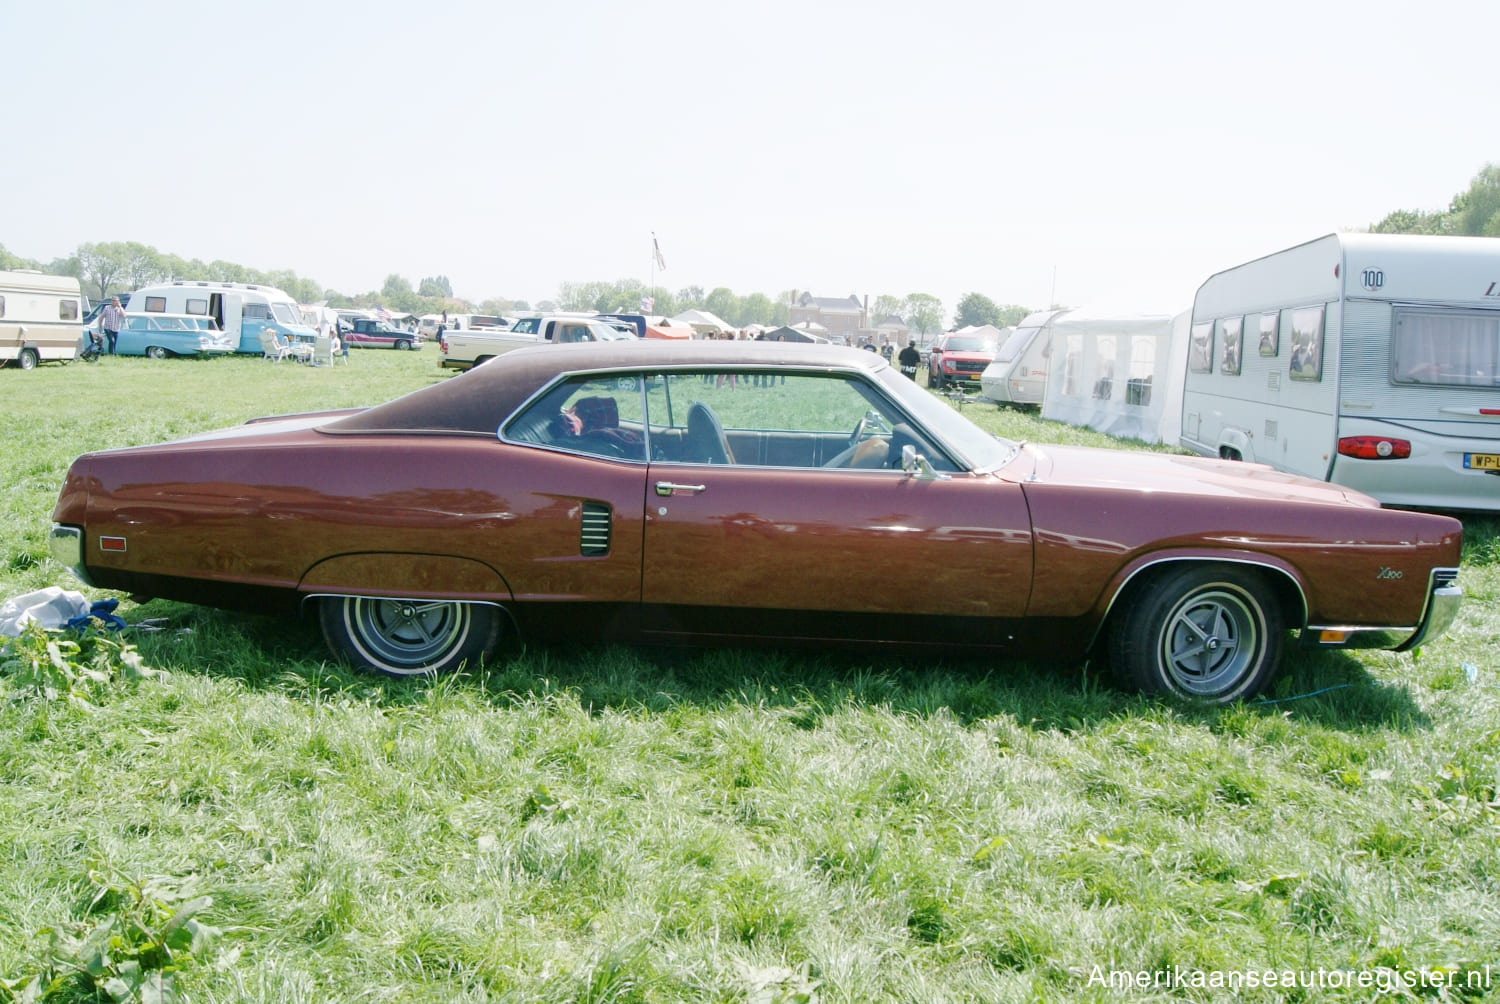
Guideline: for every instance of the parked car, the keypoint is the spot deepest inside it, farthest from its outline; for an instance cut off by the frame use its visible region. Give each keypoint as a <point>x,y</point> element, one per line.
<point>364,334</point>
<point>960,358</point>
<point>163,335</point>
<point>744,492</point>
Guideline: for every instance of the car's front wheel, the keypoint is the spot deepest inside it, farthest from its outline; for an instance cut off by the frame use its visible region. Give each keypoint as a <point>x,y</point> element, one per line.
<point>408,637</point>
<point>1209,633</point>
<point>403,345</point>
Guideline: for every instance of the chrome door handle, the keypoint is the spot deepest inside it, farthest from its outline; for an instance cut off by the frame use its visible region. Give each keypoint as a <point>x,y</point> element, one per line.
<point>667,488</point>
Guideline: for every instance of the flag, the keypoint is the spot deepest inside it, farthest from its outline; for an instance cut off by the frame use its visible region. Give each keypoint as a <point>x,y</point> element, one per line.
<point>382,314</point>
<point>648,303</point>
<point>661,262</point>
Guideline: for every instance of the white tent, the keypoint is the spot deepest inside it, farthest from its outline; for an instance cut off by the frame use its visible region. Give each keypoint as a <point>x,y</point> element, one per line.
<point>702,322</point>
<point>1118,372</point>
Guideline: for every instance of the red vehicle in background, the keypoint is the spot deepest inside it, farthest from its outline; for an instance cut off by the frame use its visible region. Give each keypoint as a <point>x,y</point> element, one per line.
<point>960,358</point>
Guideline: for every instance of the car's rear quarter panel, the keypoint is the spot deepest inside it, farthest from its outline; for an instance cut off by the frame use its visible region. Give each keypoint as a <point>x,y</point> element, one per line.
<point>310,512</point>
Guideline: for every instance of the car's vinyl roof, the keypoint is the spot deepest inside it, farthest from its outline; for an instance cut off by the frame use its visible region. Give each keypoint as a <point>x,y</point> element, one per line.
<point>479,400</point>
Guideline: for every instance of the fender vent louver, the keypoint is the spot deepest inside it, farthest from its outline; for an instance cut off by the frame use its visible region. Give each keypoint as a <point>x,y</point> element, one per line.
<point>595,529</point>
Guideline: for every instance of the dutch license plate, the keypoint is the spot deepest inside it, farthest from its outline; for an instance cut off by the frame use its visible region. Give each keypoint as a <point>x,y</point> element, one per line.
<point>1482,461</point>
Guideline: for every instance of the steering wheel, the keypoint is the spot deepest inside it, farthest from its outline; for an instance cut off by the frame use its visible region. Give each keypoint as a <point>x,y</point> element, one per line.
<point>859,430</point>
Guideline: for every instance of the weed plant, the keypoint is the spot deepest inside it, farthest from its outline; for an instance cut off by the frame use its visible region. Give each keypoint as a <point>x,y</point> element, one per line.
<point>256,823</point>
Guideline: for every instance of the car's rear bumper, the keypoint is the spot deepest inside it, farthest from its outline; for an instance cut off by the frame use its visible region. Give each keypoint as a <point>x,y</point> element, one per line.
<point>1444,597</point>
<point>66,544</point>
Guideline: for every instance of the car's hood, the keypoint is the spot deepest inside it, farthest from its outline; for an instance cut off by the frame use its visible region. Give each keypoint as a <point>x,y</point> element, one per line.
<point>968,357</point>
<point>1132,470</point>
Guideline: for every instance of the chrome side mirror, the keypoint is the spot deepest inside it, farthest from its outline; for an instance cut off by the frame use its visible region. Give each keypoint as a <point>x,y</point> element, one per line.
<point>918,466</point>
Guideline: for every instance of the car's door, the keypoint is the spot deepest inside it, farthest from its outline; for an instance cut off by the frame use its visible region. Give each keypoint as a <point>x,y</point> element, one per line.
<point>795,525</point>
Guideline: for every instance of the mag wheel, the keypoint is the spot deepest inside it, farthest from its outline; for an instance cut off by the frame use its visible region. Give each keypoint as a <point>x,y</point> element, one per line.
<point>408,637</point>
<point>1202,633</point>
<point>156,352</point>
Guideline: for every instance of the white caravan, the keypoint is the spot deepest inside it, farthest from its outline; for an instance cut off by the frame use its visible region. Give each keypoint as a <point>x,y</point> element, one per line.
<point>1019,373</point>
<point>1367,360</point>
<point>243,310</point>
<point>1119,373</point>
<point>41,317</point>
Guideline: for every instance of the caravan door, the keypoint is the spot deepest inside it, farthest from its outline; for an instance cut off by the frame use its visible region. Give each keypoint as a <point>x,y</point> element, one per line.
<point>228,310</point>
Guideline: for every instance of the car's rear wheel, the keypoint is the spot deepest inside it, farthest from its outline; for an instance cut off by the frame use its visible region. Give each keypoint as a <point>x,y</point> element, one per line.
<point>156,352</point>
<point>1209,633</point>
<point>408,637</point>
<point>28,359</point>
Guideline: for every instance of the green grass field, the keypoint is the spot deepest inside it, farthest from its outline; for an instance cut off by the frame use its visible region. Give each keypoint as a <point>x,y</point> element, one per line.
<point>614,824</point>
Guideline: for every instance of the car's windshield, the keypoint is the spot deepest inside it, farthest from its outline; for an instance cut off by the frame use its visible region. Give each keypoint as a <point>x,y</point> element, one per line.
<point>286,313</point>
<point>970,343</point>
<point>979,449</point>
<point>1016,343</point>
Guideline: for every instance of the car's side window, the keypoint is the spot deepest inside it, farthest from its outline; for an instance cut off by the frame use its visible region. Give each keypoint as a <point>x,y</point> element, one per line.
<point>596,416</point>
<point>775,419</point>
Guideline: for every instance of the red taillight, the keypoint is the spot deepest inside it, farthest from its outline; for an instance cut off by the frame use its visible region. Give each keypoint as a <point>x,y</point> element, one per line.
<point>1374,448</point>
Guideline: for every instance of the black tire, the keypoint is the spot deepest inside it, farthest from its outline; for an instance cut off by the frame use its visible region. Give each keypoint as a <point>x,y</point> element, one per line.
<point>1202,633</point>
<point>28,359</point>
<point>408,637</point>
<point>156,352</point>
<point>403,345</point>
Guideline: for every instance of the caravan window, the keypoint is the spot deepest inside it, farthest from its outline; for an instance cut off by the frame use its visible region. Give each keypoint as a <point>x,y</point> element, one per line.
<point>1270,334</point>
<point>1072,363</point>
<point>196,307</point>
<point>255,312</point>
<point>1446,348</point>
<point>156,305</point>
<point>1104,357</point>
<point>1230,331</point>
<point>2,306</point>
<point>286,313</point>
<point>1306,324</point>
<point>1201,348</point>
<point>1018,340</point>
<point>67,310</point>
<point>1142,366</point>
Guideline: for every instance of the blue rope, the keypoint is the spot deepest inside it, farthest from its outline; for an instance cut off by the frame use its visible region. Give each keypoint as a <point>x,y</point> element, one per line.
<point>1298,697</point>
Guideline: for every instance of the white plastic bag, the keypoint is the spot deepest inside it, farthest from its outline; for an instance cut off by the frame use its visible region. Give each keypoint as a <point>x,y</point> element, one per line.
<point>53,607</point>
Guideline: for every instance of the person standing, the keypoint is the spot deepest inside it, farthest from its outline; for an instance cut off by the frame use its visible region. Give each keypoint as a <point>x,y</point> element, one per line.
<point>909,359</point>
<point>112,319</point>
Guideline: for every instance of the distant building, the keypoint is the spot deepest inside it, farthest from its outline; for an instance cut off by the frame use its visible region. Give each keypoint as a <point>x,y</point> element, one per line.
<point>893,330</point>
<point>842,317</point>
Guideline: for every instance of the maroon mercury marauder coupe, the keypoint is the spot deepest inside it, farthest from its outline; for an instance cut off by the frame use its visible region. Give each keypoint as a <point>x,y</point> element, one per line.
<point>743,492</point>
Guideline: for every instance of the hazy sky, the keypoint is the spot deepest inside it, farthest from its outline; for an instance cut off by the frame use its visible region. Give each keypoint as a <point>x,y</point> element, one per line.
<point>1128,149</point>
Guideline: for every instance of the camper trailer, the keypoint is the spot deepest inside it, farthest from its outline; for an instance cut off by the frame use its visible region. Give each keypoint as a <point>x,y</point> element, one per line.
<point>1118,372</point>
<point>1018,375</point>
<point>41,318</point>
<point>1368,360</point>
<point>242,310</point>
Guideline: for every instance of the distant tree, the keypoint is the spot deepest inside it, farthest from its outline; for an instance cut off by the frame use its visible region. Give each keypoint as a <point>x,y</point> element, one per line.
<point>974,310</point>
<point>1413,221</point>
<point>227,271</point>
<point>519,305</point>
<point>499,305</point>
<point>546,305</point>
<point>61,266</point>
<point>723,304</point>
<point>757,308</point>
<point>689,297</point>
<point>1013,313</point>
<point>885,306</point>
<point>435,286</point>
<point>395,286</point>
<point>103,265</point>
<point>1476,213</point>
<point>583,295</point>
<point>10,261</point>
<point>924,312</point>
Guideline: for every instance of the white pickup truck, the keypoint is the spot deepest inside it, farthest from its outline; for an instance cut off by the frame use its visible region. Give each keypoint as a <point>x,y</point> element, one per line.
<point>466,348</point>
